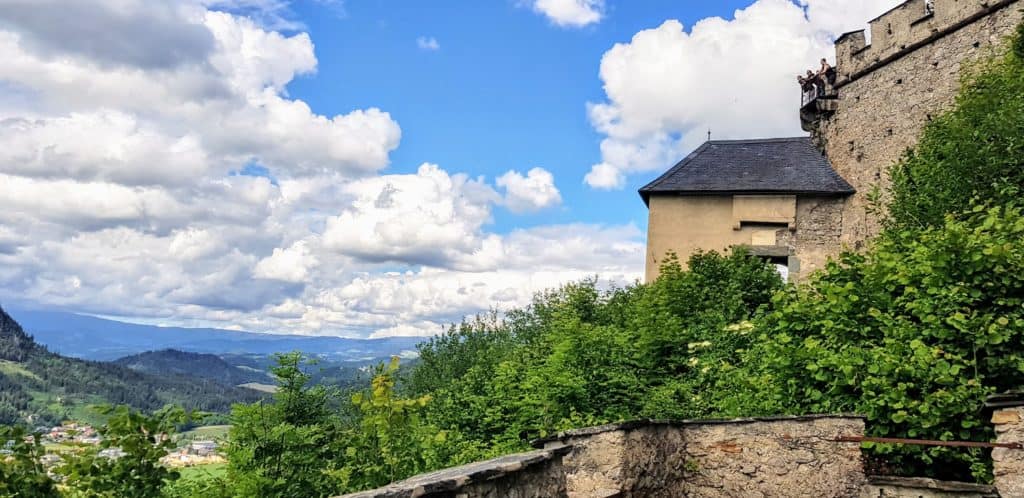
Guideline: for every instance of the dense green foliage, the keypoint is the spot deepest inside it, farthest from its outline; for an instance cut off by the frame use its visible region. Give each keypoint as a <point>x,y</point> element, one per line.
<point>40,387</point>
<point>913,334</point>
<point>581,356</point>
<point>973,151</point>
<point>310,443</point>
<point>87,473</point>
<point>21,473</point>
<point>136,474</point>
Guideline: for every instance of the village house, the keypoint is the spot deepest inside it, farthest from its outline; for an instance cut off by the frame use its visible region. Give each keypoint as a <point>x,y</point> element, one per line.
<point>768,195</point>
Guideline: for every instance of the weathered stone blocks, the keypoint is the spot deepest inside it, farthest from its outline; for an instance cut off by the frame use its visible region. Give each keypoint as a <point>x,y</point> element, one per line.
<point>1008,464</point>
<point>889,90</point>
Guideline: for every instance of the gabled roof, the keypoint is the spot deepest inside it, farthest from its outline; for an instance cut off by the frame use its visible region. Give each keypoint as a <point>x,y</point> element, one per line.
<point>762,166</point>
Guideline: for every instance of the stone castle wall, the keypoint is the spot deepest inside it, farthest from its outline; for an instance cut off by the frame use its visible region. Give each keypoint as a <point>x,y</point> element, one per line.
<point>888,90</point>
<point>1008,464</point>
<point>785,456</point>
<point>763,457</point>
<point>819,224</point>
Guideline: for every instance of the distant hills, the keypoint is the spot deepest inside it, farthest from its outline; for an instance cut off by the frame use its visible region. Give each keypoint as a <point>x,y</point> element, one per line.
<point>171,362</point>
<point>38,386</point>
<point>97,339</point>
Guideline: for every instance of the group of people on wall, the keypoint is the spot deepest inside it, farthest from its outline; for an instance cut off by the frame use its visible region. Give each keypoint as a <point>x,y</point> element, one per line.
<point>813,83</point>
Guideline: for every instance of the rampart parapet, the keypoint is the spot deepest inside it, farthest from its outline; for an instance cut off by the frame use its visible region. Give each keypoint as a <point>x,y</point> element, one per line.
<point>903,29</point>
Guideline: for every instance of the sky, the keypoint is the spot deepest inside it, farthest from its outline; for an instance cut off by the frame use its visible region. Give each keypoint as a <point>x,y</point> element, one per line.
<point>364,168</point>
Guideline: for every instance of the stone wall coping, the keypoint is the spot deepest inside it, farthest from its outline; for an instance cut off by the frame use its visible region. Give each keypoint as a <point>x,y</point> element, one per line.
<point>641,423</point>
<point>927,483</point>
<point>455,478</point>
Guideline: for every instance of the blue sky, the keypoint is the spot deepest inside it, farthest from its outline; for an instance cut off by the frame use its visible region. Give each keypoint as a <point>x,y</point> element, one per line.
<point>364,168</point>
<point>506,90</point>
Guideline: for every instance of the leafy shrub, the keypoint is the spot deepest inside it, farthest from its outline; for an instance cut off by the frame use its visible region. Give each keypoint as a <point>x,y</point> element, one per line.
<point>21,473</point>
<point>582,356</point>
<point>913,334</point>
<point>973,151</point>
<point>302,445</point>
<point>144,439</point>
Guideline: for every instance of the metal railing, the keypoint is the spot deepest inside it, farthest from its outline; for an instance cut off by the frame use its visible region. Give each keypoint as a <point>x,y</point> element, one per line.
<point>808,96</point>
<point>928,442</point>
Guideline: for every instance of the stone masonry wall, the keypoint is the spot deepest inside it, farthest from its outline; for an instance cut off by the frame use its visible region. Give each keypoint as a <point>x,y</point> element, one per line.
<point>764,457</point>
<point>625,460</point>
<point>535,474</point>
<point>774,458</point>
<point>1008,464</point>
<point>786,456</point>
<point>888,90</point>
<point>819,227</point>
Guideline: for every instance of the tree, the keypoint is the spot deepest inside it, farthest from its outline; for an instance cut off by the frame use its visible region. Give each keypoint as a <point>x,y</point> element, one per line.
<point>21,473</point>
<point>284,448</point>
<point>137,472</point>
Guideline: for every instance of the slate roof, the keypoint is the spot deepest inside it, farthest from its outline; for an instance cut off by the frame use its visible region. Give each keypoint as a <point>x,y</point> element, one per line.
<point>762,166</point>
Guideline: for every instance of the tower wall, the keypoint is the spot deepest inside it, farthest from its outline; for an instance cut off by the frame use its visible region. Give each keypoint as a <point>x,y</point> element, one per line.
<point>888,90</point>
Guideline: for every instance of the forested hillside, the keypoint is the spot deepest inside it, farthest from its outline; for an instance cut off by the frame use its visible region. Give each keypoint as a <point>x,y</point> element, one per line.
<point>171,362</point>
<point>38,386</point>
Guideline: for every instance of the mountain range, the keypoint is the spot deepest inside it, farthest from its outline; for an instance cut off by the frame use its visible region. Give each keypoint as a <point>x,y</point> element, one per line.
<point>40,386</point>
<point>93,338</point>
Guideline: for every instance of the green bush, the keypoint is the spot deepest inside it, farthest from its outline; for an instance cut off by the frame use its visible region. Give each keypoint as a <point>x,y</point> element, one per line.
<point>582,356</point>
<point>21,473</point>
<point>1018,43</point>
<point>913,334</point>
<point>309,443</point>
<point>973,151</point>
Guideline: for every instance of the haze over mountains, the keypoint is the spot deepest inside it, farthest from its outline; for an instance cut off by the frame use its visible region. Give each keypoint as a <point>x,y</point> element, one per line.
<point>39,386</point>
<point>94,338</point>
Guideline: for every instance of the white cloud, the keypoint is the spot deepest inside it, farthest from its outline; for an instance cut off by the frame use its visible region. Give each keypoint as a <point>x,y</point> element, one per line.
<point>667,86</point>
<point>290,265</point>
<point>570,13</point>
<point>425,218</point>
<point>529,193</point>
<point>104,145</point>
<point>428,43</point>
<point>149,34</point>
<point>176,181</point>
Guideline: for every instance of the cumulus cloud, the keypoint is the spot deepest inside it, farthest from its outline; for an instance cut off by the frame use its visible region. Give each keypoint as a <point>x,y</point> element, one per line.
<point>428,43</point>
<point>570,13</point>
<point>150,34</point>
<point>168,176</point>
<point>529,193</point>
<point>290,265</point>
<point>667,86</point>
<point>425,218</point>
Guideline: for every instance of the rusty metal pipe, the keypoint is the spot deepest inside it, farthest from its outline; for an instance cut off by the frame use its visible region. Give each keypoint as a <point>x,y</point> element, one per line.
<point>927,442</point>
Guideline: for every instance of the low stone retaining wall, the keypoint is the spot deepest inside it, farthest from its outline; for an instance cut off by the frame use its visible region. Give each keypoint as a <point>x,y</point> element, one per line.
<point>536,474</point>
<point>757,457</point>
<point>785,456</point>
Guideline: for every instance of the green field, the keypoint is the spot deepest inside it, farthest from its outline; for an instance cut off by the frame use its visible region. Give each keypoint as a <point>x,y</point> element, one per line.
<point>215,432</point>
<point>8,367</point>
<point>256,386</point>
<point>203,471</point>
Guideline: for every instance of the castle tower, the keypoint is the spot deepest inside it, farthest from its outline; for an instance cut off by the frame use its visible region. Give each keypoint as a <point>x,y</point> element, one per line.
<point>886,91</point>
